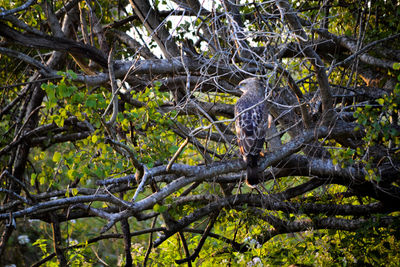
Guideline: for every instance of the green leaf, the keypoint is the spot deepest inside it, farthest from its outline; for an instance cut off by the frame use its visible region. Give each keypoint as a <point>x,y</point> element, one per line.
<point>91,101</point>
<point>61,73</point>
<point>71,174</point>
<point>33,178</point>
<point>62,90</point>
<point>56,156</point>
<point>157,84</point>
<point>59,120</point>
<point>173,149</point>
<point>67,192</point>
<point>380,101</point>
<point>159,208</point>
<point>80,116</point>
<point>77,98</point>
<point>50,91</point>
<point>72,74</point>
<point>42,179</point>
<point>74,191</point>
<point>396,66</point>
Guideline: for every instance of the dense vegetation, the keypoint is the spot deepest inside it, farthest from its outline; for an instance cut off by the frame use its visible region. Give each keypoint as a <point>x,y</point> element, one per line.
<point>117,144</point>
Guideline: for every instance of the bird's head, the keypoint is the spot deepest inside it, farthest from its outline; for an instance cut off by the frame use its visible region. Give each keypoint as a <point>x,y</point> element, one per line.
<point>252,84</point>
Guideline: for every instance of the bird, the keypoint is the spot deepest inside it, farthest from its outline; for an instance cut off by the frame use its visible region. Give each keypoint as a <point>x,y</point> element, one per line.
<point>252,121</point>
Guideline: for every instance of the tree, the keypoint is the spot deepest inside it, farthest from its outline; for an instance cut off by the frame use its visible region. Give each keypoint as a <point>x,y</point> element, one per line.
<point>117,123</point>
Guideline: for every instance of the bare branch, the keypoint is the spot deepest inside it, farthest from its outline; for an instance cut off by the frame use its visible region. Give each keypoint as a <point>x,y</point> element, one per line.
<point>361,53</point>
<point>114,99</point>
<point>176,155</point>
<point>151,21</point>
<point>322,78</point>
<point>42,68</point>
<point>17,9</point>
<point>195,254</point>
<point>54,43</point>
<point>317,167</point>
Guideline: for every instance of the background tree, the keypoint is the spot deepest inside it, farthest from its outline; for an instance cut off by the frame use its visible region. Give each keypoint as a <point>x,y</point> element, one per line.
<point>117,124</point>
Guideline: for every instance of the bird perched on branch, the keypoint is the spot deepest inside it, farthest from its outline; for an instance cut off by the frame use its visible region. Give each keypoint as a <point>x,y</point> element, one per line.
<point>252,123</point>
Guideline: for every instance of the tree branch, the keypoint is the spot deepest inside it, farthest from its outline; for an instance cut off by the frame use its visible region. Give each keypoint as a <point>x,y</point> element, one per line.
<point>322,78</point>
<point>18,9</point>
<point>54,43</point>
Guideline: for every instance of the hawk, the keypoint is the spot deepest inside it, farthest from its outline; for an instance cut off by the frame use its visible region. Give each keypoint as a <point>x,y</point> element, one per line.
<point>252,123</point>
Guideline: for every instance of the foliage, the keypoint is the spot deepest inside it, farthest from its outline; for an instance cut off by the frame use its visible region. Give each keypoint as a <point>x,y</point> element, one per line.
<point>117,133</point>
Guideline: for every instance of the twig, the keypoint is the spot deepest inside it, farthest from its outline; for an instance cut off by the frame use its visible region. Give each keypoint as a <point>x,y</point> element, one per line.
<point>365,49</point>
<point>46,71</point>
<point>6,172</point>
<point>127,242</point>
<point>122,180</point>
<point>26,121</point>
<point>146,257</point>
<point>15,100</point>
<point>141,185</point>
<point>14,194</point>
<point>138,165</point>
<point>115,90</point>
<point>201,242</point>
<point>96,239</point>
<point>213,122</point>
<point>185,247</point>
<point>57,240</point>
<point>176,155</point>
<point>299,95</point>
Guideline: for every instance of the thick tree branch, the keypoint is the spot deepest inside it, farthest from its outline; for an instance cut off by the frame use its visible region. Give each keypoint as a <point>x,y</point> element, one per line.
<point>282,227</point>
<point>53,43</point>
<point>291,18</point>
<point>17,9</point>
<point>361,53</point>
<point>46,71</point>
<point>155,27</point>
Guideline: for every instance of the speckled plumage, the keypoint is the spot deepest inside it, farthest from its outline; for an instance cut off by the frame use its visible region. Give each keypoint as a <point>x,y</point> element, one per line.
<point>251,125</point>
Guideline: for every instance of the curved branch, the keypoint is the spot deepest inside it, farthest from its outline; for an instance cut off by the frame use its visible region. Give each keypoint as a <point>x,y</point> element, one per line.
<point>271,202</point>
<point>319,223</point>
<point>96,239</point>
<point>17,9</point>
<point>351,45</point>
<point>60,203</point>
<point>196,252</point>
<point>46,71</point>
<point>54,43</point>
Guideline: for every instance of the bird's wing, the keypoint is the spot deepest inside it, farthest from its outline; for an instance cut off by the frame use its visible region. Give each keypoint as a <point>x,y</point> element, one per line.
<point>251,127</point>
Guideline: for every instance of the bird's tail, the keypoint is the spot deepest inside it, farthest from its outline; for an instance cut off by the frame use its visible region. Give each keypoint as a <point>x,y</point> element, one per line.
<point>254,176</point>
